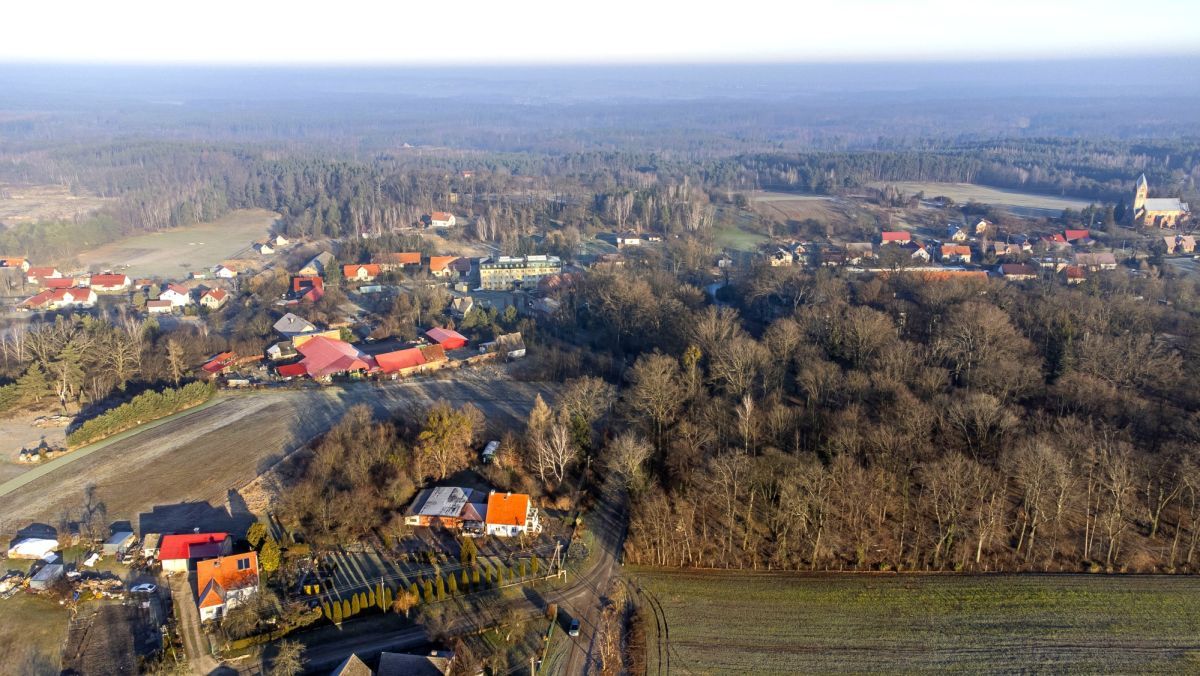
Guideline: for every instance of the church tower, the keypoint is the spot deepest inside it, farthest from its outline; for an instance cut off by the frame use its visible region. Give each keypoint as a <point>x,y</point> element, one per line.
<point>1139,196</point>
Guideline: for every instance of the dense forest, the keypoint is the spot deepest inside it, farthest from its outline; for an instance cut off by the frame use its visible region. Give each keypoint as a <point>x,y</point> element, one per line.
<point>885,424</point>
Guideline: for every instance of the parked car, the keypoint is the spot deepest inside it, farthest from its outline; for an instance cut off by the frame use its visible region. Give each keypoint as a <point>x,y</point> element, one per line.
<point>573,628</point>
<point>144,588</point>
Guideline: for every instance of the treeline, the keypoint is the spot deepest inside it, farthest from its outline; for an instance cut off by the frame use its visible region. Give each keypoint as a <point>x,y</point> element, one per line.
<point>1101,170</point>
<point>143,408</point>
<point>850,423</point>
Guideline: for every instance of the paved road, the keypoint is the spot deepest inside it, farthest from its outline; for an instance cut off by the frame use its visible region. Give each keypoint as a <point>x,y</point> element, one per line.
<point>581,598</point>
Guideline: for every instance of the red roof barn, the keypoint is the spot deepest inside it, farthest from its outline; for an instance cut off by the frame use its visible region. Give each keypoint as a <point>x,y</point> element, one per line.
<point>390,362</point>
<point>447,338</point>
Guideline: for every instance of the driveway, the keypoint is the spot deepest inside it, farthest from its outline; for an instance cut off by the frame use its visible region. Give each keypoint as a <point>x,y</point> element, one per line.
<point>195,643</point>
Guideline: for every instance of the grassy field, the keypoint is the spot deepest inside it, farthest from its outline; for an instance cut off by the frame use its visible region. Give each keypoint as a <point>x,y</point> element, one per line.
<point>31,203</point>
<point>735,234</point>
<point>792,206</point>
<point>1021,203</point>
<point>32,631</point>
<point>173,253</point>
<point>737,623</point>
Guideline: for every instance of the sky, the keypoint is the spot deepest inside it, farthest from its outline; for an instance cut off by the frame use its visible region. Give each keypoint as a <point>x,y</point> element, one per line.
<point>400,32</point>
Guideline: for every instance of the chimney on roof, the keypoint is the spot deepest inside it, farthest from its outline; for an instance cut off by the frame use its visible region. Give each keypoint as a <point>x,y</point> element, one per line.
<point>196,531</point>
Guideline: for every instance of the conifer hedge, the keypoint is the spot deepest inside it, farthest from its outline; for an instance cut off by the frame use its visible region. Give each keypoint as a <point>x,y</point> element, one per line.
<point>141,409</point>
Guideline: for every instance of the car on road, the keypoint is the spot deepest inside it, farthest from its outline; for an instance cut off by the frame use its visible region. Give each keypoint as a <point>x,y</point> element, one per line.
<point>144,588</point>
<point>573,628</point>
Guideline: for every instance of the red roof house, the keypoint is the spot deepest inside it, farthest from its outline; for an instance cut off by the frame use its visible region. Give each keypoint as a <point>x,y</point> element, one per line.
<point>310,288</point>
<point>110,282</point>
<point>292,370</point>
<point>36,275</point>
<point>59,283</point>
<point>324,357</point>
<point>390,362</point>
<point>1073,235</point>
<point>213,298</point>
<point>175,551</point>
<point>896,237</point>
<point>219,363</point>
<point>447,338</point>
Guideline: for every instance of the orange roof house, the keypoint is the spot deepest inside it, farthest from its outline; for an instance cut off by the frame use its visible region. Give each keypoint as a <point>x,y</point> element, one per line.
<point>389,261</point>
<point>360,272</point>
<point>958,252</point>
<point>896,237</point>
<point>440,265</point>
<point>510,514</point>
<point>224,582</point>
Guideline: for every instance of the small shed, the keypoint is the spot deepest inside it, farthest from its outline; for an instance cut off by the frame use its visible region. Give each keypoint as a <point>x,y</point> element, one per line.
<point>118,543</point>
<point>48,575</point>
<point>489,452</point>
<point>150,545</point>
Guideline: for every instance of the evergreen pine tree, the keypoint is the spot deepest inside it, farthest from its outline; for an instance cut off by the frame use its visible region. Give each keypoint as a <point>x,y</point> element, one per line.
<point>355,606</point>
<point>34,385</point>
<point>428,591</point>
<point>475,578</point>
<point>466,581</point>
<point>346,614</point>
<point>441,588</point>
<point>452,585</point>
<point>533,563</point>
<point>338,615</point>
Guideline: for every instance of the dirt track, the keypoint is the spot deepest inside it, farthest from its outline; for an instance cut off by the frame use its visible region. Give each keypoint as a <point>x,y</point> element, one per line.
<point>181,474</point>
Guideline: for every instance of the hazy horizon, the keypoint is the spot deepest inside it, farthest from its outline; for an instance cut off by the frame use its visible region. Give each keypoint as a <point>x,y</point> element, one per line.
<point>621,31</point>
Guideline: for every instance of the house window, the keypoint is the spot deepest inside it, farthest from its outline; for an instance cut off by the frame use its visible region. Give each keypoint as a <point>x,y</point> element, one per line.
<point>243,564</point>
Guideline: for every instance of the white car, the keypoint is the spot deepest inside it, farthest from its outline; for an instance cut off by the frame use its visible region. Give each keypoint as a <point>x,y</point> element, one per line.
<point>144,588</point>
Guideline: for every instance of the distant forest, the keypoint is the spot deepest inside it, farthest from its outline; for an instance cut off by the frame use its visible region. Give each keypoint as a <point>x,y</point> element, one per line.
<point>339,153</point>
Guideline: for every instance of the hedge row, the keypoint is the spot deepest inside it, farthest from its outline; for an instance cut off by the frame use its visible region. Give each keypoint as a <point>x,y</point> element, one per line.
<point>433,590</point>
<point>141,409</point>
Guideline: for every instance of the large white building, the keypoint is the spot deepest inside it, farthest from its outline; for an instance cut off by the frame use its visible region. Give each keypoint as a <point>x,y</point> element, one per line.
<point>501,273</point>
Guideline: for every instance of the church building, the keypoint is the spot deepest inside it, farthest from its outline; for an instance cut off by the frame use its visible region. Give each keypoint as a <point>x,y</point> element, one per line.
<point>1157,212</point>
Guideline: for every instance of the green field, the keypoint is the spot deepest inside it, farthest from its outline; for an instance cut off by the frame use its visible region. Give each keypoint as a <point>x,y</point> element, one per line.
<point>740,623</point>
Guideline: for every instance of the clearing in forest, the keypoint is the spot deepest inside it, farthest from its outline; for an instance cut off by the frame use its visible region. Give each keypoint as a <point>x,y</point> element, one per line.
<point>34,203</point>
<point>1020,203</point>
<point>709,622</point>
<point>172,253</point>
